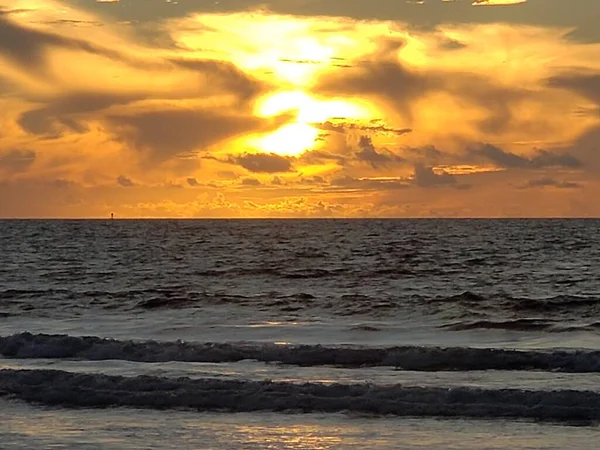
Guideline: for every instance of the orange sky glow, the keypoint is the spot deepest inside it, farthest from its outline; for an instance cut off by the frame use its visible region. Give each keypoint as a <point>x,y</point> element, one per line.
<point>299,108</point>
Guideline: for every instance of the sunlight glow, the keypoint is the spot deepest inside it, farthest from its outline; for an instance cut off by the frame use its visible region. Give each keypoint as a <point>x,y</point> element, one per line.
<point>291,139</point>
<point>310,109</point>
<point>300,136</point>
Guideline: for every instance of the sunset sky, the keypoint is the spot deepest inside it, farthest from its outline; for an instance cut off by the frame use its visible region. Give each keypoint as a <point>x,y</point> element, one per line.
<point>299,108</point>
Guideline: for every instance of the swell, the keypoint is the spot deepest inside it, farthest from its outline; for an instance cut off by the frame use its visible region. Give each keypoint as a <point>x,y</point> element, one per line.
<point>466,306</point>
<point>61,388</point>
<point>513,325</point>
<point>527,325</point>
<point>27,345</point>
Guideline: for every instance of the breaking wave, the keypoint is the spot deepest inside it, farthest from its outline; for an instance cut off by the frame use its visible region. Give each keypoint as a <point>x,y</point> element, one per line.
<point>416,358</point>
<point>96,390</point>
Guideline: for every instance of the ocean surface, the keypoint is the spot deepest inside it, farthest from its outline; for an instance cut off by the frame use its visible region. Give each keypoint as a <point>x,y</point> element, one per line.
<point>300,334</point>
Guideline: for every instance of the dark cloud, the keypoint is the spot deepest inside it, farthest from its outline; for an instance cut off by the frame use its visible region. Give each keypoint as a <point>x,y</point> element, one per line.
<point>344,127</point>
<point>428,15</point>
<point>8,12</point>
<point>551,182</point>
<point>17,160</point>
<point>427,155</point>
<point>388,81</point>
<point>28,47</point>
<point>314,180</point>
<point>425,177</point>
<point>61,183</point>
<point>375,159</point>
<point>160,135</point>
<point>251,182</point>
<point>587,85</point>
<point>320,156</point>
<point>63,112</point>
<point>192,182</point>
<point>223,76</point>
<point>542,158</point>
<point>124,181</point>
<point>446,43</point>
<point>348,183</point>
<point>263,162</point>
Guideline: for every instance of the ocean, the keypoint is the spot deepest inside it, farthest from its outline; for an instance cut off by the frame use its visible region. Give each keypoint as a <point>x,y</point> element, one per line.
<point>300,334</point>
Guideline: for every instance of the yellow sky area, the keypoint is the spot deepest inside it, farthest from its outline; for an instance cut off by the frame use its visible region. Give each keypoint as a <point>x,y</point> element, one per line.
<point>255,114</point>
<point>292,139</point>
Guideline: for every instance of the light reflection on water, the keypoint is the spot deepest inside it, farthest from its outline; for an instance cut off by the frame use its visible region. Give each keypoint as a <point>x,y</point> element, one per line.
<point>25,426</point>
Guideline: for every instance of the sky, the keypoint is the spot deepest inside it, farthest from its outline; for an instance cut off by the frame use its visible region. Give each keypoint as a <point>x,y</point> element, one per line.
<point>299,108</point>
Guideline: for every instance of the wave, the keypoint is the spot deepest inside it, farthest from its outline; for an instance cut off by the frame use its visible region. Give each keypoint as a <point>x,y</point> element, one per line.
<point>415,358</point>
<point>526,324</point>
<point>513,325</point>
<point>61,388</point>
<point>491,308</point>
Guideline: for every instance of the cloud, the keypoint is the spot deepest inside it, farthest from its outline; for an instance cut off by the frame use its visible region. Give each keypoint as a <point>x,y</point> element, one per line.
<point>63,113</point>
<point>344,127</point>
<point>541,159</point>
<point>263,162</point>
<point>551,182</point>
<point>223,76</point>
<point>587,85</point>
<point>163,134</point>
<point>17,160</point>
<point>251,182</point>
<point>28,47</point>
<point>125,182</point>
<point>425,177</point>
<point>369,155</point>
<point>387,81</point>
<point>320,156</point>
<point>353,184</point>
<point>192,182</point>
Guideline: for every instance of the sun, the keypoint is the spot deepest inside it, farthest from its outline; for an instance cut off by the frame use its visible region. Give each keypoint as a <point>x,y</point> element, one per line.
<point>291,139</point>
<point>300,135</point>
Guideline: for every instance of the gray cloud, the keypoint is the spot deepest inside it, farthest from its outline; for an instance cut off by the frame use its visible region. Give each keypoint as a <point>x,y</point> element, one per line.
<point>371,156</point>
<point>541,159</point>
<point>387,80</point>
<point>314,180</point>
<point>63,112</point>
<point>428,15</point>
<point>251,182</point>
<point>344,127</point>
<point>161,135</point>
<point>369,184</point>
<point>28,47</point>
<point>17,160</point>
<point>319,156</point>
<point>262,162</point>
<point>391,82</point>
<point>223,76</point>
<point>551,182</point>
<point>425,177</point>
<point>587,85</point>
<point>124,181</point>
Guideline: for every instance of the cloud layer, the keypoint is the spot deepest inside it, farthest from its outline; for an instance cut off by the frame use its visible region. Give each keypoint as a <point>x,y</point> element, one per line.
<point>301,109</point>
